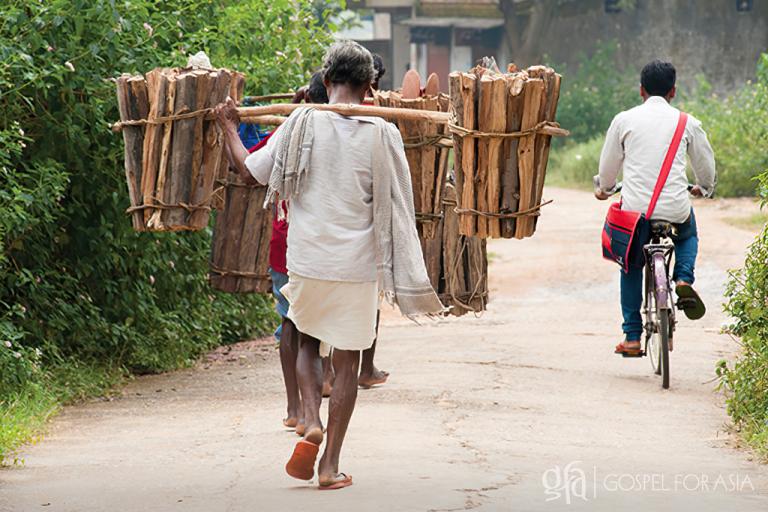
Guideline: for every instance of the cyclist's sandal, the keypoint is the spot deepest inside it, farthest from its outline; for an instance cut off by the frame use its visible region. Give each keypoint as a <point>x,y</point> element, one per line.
<point>689,301</point>
<point>628,352</point>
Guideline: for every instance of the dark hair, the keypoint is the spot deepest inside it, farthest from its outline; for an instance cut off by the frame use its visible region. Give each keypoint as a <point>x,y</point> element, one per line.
<point>658,78</point>
<point>316,90</point>
<point>378,64</point>
<point>347,62</point>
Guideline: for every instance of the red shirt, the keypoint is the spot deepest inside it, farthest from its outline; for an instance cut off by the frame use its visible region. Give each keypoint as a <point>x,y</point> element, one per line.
<point>278,245</point>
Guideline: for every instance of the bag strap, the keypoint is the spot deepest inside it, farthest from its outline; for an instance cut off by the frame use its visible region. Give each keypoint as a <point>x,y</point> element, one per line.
<point>668,160</point>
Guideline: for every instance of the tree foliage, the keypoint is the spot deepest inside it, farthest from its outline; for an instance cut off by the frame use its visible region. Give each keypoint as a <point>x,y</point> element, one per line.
<point>77,285</point>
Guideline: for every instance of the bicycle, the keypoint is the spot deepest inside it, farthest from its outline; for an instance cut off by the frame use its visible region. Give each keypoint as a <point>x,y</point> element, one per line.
<point>658,311</point>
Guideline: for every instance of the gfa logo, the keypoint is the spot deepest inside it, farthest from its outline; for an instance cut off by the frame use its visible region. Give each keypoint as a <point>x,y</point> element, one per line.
<point>566,482</point>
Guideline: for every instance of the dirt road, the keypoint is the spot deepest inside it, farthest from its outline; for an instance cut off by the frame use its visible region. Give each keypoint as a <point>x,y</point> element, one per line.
<point>504,412</point>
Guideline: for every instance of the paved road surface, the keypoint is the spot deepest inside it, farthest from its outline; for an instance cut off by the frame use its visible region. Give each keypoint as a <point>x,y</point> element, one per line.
<point>478,412</point>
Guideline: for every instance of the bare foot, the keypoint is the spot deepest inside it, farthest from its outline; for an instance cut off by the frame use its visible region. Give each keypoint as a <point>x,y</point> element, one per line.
<point>300,427</point>
<point>291,421</point>
<point>327,388</point>
<point>314,434</point>
<point>334,481</point>
<point>367,381</point>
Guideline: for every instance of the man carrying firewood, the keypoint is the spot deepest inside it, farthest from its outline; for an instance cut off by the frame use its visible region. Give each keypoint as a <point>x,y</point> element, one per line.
<point>636,144</point>
<point>352,239</point>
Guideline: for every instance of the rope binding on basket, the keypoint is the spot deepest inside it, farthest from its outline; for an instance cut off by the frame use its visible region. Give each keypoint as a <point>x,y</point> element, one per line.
<point>238,273</point>
<point>530,212</point>
<point>163,119</point>
<point>545,127</point>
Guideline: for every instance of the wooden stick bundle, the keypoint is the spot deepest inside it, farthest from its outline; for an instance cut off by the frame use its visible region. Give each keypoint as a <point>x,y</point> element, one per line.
<point>173,150</point>
<point>457,265</point>
<point>427,158</point>
<point>503,128</point>
<point>240,251</point>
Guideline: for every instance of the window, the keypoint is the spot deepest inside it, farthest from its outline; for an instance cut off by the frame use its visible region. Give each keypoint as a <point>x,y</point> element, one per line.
<point>743,5</point>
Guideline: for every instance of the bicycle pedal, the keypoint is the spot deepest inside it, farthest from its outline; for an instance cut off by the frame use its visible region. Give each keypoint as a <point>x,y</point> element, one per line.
<point>639,354</point>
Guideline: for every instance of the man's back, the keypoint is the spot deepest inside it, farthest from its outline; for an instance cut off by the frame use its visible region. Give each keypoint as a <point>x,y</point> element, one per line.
<point>637,142</point>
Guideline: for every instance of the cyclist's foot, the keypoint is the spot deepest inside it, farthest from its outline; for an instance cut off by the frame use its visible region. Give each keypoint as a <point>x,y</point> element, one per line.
<point>629,349</point>
<point>689,301</point>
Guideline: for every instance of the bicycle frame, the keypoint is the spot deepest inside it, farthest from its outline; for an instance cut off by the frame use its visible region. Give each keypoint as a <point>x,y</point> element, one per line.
<point>658,258</point>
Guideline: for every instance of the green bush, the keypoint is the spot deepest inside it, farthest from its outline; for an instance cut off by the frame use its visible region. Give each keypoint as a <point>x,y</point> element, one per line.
<point>82,297</point>
<point>595,91</point>
<point>573,165</point>
<point>737,127</point>
<point>746,380</point>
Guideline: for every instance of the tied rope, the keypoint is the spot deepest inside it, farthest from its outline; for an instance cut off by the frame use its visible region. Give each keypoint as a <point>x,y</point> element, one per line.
<point>238,273</point>
<point>466,299</point>
<point>160,205</point>
<point>548,127</point>
<point>530,212</point>
<point>418,142</point>
<point>163,119</point>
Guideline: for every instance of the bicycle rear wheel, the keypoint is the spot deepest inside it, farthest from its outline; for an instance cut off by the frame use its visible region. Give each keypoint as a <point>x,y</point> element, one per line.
<point>662,317</point>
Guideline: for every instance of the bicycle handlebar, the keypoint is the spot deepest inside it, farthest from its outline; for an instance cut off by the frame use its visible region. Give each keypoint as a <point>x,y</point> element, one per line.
<point>619,185</point>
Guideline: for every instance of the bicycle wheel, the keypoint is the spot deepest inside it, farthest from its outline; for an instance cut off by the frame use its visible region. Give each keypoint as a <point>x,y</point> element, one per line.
<point>662,316</point>
<point>652,337</point>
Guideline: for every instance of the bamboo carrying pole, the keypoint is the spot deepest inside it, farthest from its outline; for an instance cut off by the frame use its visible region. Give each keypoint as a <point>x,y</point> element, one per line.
<point>393,114</point>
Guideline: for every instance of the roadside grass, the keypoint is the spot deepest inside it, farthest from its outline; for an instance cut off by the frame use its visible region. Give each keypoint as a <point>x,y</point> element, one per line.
<point>750,223</point>
<point>24,414</point>
<point>573,165</point>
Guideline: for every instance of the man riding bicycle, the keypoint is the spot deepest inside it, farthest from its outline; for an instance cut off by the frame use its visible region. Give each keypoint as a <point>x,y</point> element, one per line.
<point>636,144</point>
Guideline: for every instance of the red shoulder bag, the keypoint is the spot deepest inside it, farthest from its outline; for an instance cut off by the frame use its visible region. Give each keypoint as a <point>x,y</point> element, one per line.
<point>624,231</point>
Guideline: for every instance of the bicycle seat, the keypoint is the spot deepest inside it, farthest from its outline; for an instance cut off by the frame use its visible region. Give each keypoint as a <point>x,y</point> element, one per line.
<point>662,228</point>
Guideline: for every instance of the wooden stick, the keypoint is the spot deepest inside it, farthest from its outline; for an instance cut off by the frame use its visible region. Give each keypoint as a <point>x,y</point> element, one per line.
<point>198,219</point>
<point>133,104</point>
<point>467,194</point>
<point>182,152</point>
<point>157,86</point>
<point>493,107</point>
<point>250,239</point>
<point>457,107</point>
<point>213,149</point>
<point>395,114</point>
<point>510,181</point>
<point>157,218</point>
<point>428,186</point>
<point>269,97</point>
<point>542,154</point>
<point>526,153</point>
<point>264,120</point>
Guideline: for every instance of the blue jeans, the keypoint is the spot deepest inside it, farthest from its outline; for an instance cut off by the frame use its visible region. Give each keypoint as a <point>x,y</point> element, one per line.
<point>686,247</point>
<point>281,303</point>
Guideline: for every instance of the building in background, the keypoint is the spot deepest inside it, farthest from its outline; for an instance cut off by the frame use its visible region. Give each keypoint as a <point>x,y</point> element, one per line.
<point>431,36</point>
<point>718,39</point>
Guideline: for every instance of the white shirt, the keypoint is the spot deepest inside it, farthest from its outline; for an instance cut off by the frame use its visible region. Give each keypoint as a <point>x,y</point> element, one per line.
<point>637,142</point>
<point>330,224</point>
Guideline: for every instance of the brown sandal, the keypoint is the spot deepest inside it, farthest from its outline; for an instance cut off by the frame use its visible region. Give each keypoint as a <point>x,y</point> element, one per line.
<point>628,352</point>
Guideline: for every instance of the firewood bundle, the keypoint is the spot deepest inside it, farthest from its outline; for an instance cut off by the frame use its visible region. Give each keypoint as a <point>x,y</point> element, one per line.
<point>426,148</point>
<point>240,252</point>
<point>457,265</point>
<point>504,123</point>
<point>173,151</point>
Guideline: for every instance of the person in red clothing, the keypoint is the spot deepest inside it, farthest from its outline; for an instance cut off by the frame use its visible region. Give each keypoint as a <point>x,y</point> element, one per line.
<point>287,332</point>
